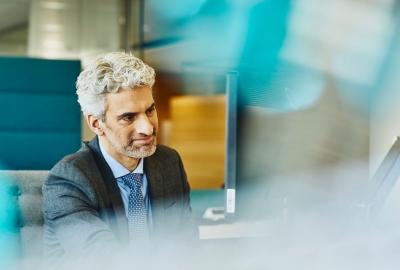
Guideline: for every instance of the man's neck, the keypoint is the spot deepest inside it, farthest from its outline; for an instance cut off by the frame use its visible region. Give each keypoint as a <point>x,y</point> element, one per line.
<point>128,162</point>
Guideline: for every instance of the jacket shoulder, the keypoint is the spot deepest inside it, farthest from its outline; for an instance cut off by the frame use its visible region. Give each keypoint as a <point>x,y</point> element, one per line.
<point>80,158</point>
<point>164,152</point>
<point>74,167</point>
<point>166,149</point>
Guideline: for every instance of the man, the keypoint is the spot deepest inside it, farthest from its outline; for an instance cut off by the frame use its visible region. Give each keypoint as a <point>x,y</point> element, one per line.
<point>121,187</point>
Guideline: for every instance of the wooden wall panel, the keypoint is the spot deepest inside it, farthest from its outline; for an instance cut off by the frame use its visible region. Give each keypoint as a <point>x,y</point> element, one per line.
<point>198,133</point>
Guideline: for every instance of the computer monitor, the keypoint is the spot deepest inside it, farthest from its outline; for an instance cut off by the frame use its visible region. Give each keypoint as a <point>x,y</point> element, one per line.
<point>231,143</point>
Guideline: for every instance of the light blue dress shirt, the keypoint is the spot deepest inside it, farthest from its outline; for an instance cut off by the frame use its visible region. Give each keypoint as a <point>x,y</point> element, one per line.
<point>118,171</point>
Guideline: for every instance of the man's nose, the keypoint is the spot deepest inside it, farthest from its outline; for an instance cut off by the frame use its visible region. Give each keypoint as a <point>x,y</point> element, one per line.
<point>144,125</point>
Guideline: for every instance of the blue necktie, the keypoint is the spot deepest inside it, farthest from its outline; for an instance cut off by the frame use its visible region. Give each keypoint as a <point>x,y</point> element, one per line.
<point>137,212</point>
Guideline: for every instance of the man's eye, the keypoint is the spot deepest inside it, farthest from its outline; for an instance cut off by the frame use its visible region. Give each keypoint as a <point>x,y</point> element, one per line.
<point>151,111</point>
<point>128,118</point>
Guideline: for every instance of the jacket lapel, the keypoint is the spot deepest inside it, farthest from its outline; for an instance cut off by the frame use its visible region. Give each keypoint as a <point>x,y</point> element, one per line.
<point>155,180</point>
<point>116,205</point>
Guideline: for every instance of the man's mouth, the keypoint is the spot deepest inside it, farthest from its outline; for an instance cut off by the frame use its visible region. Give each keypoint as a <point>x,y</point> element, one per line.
<point>144,140</point>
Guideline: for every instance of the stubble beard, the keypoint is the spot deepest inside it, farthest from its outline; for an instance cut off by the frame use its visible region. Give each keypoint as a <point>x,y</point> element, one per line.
<point>132,151</point>
<point>140,151</point>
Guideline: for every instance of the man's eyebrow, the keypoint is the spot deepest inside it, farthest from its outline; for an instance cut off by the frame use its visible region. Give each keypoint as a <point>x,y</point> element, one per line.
<point>127,114</point>
<point>133,114</point>
<point>151,106</point>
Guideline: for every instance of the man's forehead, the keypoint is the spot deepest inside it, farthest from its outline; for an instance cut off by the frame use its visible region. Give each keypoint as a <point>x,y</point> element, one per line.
<point>135,88</point>
<point>129,94</point>
<point>129,100</point>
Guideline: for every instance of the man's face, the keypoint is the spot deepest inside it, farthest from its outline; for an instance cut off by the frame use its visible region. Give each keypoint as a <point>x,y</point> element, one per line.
<point>131,122</point>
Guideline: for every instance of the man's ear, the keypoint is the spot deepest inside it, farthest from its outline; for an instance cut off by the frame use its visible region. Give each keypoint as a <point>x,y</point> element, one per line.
<point>94,124</point>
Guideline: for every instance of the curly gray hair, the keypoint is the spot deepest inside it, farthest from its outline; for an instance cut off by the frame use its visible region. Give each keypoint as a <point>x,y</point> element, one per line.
<point>107,74</point>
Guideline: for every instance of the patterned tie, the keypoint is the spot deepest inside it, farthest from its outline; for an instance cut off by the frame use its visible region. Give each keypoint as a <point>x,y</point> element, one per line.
<point>137,212</point>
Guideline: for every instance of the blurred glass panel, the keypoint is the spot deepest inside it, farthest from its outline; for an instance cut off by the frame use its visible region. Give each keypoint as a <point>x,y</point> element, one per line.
<point>61,28</point>
<point>14,20</point>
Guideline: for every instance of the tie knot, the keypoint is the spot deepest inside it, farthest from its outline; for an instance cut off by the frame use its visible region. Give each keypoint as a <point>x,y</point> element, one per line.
<point>133,180</point>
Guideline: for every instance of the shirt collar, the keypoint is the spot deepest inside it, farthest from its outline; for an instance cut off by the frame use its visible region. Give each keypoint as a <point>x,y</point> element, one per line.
<point>117,168</point>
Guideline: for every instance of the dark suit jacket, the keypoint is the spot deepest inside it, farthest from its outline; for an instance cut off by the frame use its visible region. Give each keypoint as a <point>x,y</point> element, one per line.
<point>83,209</point>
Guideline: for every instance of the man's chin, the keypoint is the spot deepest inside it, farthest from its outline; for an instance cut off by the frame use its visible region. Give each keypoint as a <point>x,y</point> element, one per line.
<point>142,151</point>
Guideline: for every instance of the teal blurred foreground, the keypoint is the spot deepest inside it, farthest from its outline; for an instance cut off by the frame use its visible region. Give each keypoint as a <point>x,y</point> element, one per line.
<point>8,223</point>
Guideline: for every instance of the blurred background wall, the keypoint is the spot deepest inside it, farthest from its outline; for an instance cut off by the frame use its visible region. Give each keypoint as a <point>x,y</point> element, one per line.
<point>318,84</point>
